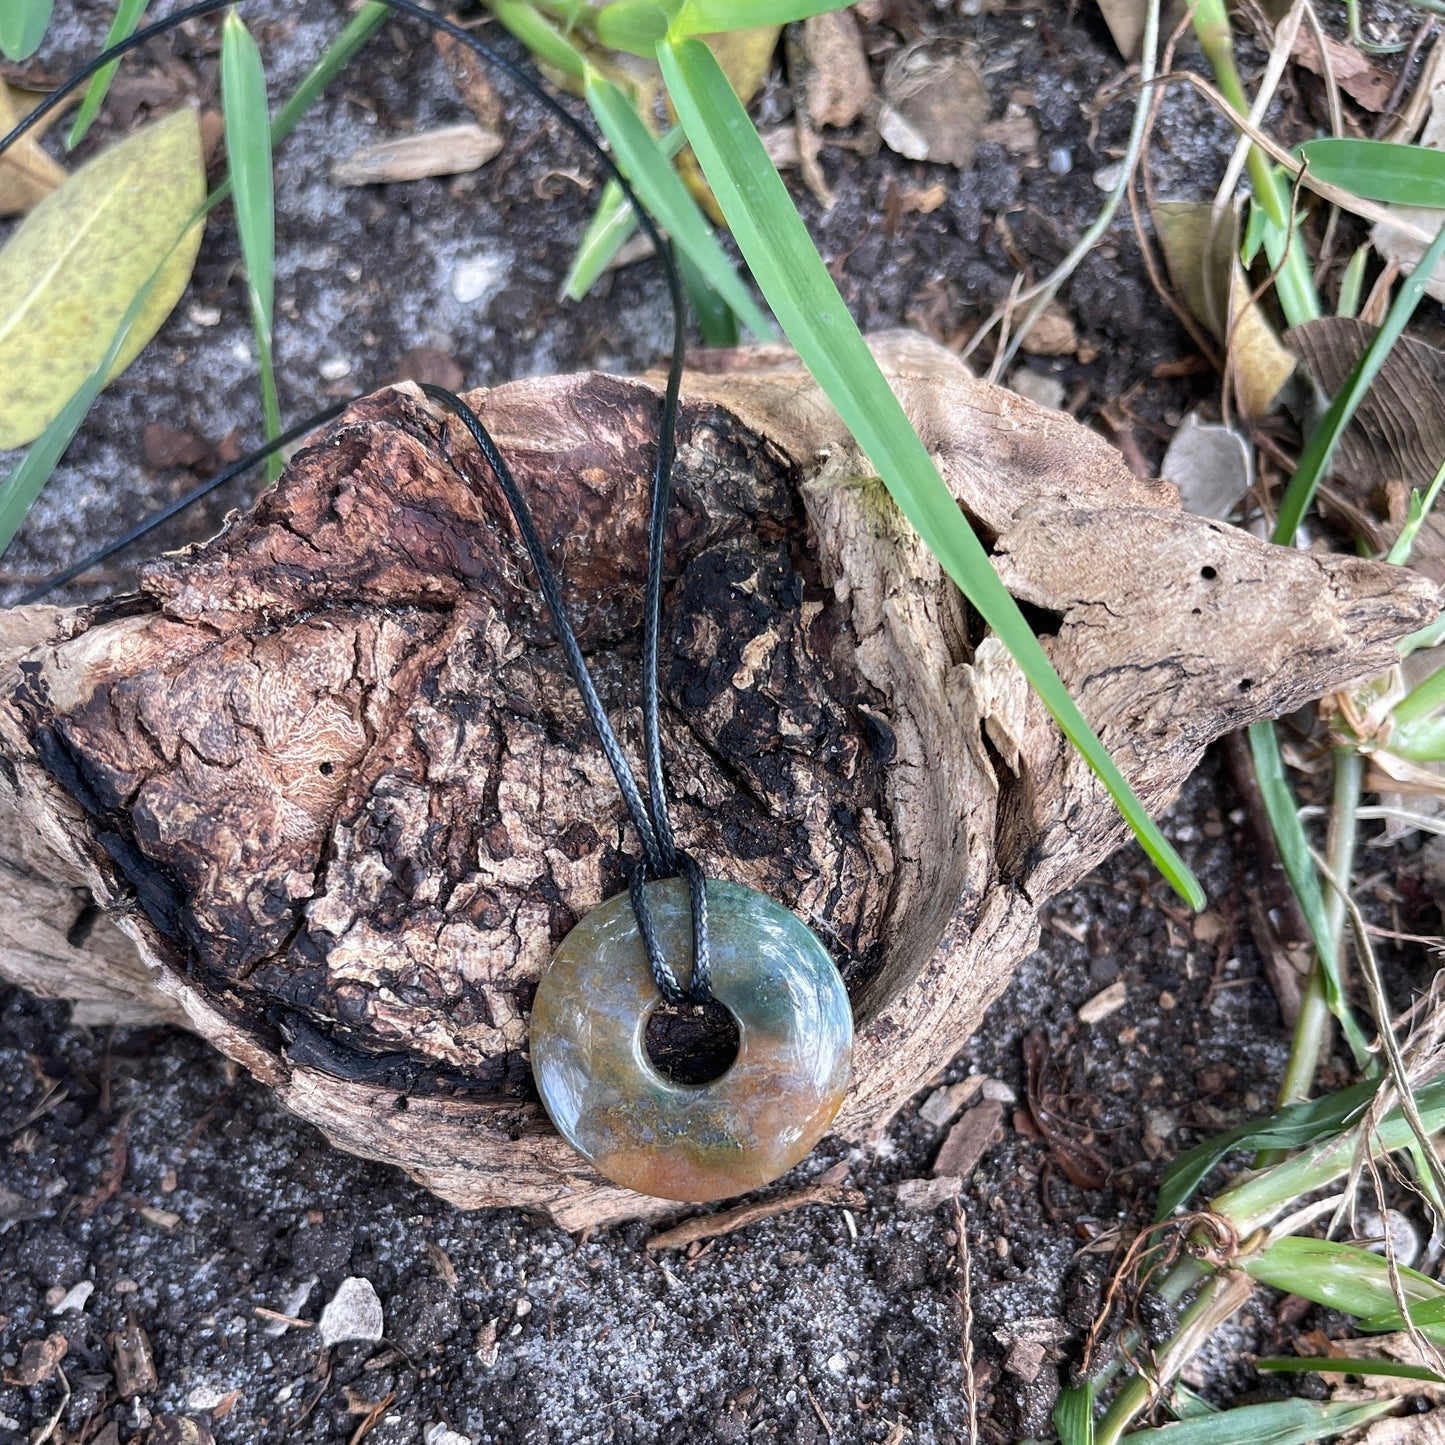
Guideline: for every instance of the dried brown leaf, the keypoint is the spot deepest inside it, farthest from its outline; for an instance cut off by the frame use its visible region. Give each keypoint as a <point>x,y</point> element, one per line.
<point>448,151</point>
<point>840,85</point>
<point>27,172</point>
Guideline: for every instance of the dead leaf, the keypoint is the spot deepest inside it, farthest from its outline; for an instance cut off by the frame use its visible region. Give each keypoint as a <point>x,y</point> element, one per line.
<point>935,103</point>
<point>1210,464</point>
<point>1366,83</point>
<point>840,85</point>
<point>471,80</point>
<point>1125,19</point>
<point>1204,261</point>
<point>75,264</point>
<point>1052,334</point>
<point>1398,431</point>
<point>448,151</point>
<point>27,172</point>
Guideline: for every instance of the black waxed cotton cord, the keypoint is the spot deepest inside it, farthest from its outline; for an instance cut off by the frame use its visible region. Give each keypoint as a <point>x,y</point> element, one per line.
<point>661,856</point>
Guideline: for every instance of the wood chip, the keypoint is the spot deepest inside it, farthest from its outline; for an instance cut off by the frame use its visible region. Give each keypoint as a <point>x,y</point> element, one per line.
<point>1365,83</point>
<point>1025,1359</point>
<point>1107,1001</point>
<point>444,152</point>
<point>921,1196</point>
<point>942,1104</point>
<point>969,1139</point>
<point>470,79</point>
<point>38,1361</point>
<point>130,1355</point>
<point>708,1226</point>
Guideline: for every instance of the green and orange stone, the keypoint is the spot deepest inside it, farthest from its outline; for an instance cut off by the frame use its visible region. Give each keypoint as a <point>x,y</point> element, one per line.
<point>692,1141</point>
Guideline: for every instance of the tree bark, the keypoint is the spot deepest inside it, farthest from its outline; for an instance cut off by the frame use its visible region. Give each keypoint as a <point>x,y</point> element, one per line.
<point>330,788</point>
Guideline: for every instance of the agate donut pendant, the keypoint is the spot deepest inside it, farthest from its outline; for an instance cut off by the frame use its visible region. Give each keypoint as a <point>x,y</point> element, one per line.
<point>692,1141</point>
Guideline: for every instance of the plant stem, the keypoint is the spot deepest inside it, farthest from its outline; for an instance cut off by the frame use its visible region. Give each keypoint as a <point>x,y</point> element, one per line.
<point>1312,1029</point>
<point>1294,284</point>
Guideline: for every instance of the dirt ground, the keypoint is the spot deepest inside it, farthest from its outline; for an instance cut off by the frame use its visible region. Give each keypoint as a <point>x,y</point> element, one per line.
<point>139,1163</point>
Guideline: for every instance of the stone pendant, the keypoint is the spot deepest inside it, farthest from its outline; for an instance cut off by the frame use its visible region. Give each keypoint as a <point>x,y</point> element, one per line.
<point>692,1141</point>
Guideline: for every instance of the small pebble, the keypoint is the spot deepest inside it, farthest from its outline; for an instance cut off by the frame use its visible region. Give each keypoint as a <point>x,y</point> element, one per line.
<point>1107,177</point>
<point>203,315</point>
<point>440,1434</point>
<point>333,368</point>
<point>999,1092</point>
<point>1044,390</point>
<point>352,1313</point>
<point>1061,160</point>
<point>1104,1003</point>
<point>292,1304</point>
<point>475,278</point>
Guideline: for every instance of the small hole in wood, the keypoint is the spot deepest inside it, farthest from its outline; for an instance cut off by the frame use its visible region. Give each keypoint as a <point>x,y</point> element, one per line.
<point>1208,573</point>
<point>326,769</point>
<point>1245,683</point>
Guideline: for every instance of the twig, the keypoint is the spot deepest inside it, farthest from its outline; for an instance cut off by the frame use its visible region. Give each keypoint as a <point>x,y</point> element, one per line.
<point>970,1384</point>
<point>705,1226</point>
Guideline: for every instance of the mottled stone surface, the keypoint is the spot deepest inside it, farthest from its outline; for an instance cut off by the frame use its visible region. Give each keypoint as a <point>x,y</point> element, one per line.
<point>692,1141</point>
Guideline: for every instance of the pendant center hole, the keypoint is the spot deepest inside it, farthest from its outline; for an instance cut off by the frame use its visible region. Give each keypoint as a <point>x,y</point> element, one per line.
<point>691,1045</point>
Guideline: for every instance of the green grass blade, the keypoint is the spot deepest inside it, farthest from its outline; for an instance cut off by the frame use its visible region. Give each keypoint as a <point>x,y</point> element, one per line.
<point>716,319</point>
<point>708,17</point>
<point>541,37</point>
<point>334,59</point>
<point>1378,170</point>
<point>248,155</point>
<point>1283,1422</point>
<point>611,227</point>
<point>1344,1365</point>
<point>1074,1414</point>
<point>1292,1127</point>
<point>22,485</point>
<point>1345,1277</point>
<point>23,24</point>
<point>1352,284</point>
<point>634,26</point>
<point>127,16</point>
<point>793,278</point>
<point>1320,448</point>
<point>646,165</point>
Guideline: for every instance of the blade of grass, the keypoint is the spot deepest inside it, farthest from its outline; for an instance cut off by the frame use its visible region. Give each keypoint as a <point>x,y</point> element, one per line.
<point>248,157</point>
<point>23,484</point>
<point>647,166</point>
<point>715,318</point>
<point>1320,448</point>
<point>796,283</point>
<point>707,17</point>
<point>1343,1277</point>
<point>1405,175</point>
<point>23,24</point>
<point>541,37</point>
<point>1345,1365</point>
<point>1074,1414</point>
<point>613,223</point>
<point>127,16</point>
<point>1352,283</point>
<point>1283,1422</point>
<point>1291,1127</point>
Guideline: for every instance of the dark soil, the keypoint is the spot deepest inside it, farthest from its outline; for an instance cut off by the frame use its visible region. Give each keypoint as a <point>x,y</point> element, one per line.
<point>139,1162</point>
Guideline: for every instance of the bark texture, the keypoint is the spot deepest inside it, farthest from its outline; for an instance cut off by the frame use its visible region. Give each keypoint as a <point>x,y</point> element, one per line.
<point>323,790</point>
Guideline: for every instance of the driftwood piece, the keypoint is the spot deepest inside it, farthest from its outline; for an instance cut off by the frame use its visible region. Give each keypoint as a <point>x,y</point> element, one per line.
<point>327,776</point>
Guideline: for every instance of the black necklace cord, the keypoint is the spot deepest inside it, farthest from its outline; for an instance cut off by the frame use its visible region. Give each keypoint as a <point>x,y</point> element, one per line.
<point>661,856</point>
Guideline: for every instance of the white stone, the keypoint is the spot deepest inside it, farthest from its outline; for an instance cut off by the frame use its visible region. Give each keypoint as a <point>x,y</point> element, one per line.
<point>439,1434</point>
<point>352,1313</point>
<point>477,276</point>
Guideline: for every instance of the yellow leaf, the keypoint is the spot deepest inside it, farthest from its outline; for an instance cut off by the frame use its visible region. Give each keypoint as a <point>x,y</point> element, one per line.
<point>1204,261</point>
<point>27,173</point>
<point>76,262</point>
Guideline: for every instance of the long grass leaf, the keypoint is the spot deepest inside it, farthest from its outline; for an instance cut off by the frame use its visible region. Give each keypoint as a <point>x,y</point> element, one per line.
<point>1074,1414</point>
<point>1344,1365</point>
<point>127,16</point>
<point>1346,1277</point>
<point>23,24</point>
<point>661,190</point>
<point>1282,1422</point>
<point>715,318</point>
<point>20,487</point>
<point>1405,175</point>
<point>540,36</point>
<point>793,278</point>
<point>1315,459</point>
<point>248,155</point>
<point>1292,1127</point>
<point>708,17</point>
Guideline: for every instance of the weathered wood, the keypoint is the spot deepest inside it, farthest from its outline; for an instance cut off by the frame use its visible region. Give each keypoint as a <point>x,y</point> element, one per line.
<point>328,773</point>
